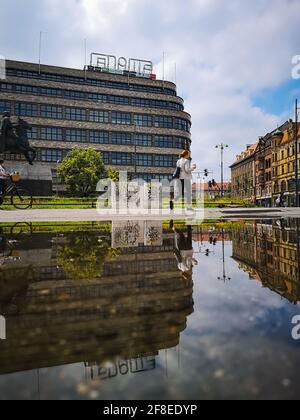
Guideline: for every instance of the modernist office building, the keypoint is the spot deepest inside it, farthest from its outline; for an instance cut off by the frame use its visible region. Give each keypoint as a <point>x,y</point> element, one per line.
<point>138,123</point>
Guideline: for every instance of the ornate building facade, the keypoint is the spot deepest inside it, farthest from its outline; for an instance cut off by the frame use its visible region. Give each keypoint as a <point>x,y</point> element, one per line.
<point>243,175</point>
<point>283,164</point>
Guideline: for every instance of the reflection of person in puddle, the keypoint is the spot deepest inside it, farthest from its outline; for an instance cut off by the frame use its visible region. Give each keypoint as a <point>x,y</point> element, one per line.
<point>184,249</point>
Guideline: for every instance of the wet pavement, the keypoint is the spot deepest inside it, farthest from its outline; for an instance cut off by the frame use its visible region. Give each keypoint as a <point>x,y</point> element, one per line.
<point>142,310</point>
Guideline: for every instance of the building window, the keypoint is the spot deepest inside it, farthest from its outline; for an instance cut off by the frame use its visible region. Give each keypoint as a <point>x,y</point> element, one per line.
<point>76,114</point>
<point>119,100</point>
<point>163,161</point>
<point>143,140</point>
<point>53,155</point>
<point>283,187</point>
<point>140,102</point>
<point>164,122</point>
<point>143,120</point>
<point>33,133</point>
<point>121,138</point>
<point>144,160</point>
<point>75,94</point>
<point>181,143</point>
<point>99,116</point>
<point>5,106</point>
<point>105,156</point>
<point>92,82</point>
<point>122,159</point>
<point>76,136</point>
<point>6,87</point>
<point>99,137</point>
<point>51,92</point>
<point>97,97</point>
<point>121,118</point>
<point>33,90</point>
<point>183,125</point>
<point>51,133</point>
<point>164,141</point>
<point>51,111</point>
<point>27,110</point>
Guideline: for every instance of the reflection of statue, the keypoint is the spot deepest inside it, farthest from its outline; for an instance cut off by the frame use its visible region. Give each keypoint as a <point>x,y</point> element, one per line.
<point>14,139</point>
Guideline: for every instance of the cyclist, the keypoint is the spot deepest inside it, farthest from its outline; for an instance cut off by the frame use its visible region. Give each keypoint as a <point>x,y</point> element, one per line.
<point>3,176</point>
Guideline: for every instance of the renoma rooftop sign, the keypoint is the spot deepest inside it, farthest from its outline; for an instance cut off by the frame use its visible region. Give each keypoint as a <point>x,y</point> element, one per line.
<point>121,65</point>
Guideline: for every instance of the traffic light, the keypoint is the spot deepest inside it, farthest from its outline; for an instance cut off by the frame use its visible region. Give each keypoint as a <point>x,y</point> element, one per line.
<point>214,183</point>
<point>206,172</point>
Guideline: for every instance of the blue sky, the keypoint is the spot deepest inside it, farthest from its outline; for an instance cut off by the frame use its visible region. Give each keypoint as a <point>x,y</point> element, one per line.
<point>279,100</point>
<point>233,58</point>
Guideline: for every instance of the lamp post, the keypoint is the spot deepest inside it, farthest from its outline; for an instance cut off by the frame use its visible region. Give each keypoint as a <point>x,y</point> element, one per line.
<point>222,147</point>
<point>224,276</point>
<point>297,112</point>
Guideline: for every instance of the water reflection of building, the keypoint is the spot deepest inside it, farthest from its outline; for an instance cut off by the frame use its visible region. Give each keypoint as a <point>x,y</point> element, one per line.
<point>133,305</point>
<point>270,254</point>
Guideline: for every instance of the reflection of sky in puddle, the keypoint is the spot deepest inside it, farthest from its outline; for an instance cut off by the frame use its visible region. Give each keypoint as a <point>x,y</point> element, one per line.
<point>237,343</point>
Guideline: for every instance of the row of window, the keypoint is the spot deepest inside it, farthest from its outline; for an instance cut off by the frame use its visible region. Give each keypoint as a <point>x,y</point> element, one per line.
<point>89,82</point>
<point>284,154</point>
<point>27,109</point>
<point>110,158</point>
<point>285,169</point>
<point>104,137</point>
<point>90,96</point>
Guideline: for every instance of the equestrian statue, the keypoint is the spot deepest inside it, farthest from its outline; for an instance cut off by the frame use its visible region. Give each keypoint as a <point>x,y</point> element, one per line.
<point>14,137</point>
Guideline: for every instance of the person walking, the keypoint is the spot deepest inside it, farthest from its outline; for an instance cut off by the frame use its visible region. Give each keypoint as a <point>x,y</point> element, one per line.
<point>3,175</point>
<point>184,171</point>
<point>183,249</point>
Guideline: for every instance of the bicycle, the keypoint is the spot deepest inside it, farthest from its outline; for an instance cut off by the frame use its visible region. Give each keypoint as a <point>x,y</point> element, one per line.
<point>20,198</point>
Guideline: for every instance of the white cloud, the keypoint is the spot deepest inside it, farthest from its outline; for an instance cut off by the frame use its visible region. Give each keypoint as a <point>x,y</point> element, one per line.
<point>226,52</point>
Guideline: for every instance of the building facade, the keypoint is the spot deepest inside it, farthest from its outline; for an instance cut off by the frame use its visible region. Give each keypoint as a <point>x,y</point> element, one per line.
<point>270,254</point>
<point>243,175</point>
<point>273,160</point>
<point>263,172</point>
<point>283,165</point>
<point>136,122</point>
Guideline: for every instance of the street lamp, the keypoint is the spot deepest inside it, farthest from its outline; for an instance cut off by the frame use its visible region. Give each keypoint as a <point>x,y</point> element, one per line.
<point>222,147</point>
<point>224,276</point>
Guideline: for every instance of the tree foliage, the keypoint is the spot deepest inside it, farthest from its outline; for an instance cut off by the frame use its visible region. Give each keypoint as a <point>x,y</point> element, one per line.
<point>83,255</point>
<point>81,170</point>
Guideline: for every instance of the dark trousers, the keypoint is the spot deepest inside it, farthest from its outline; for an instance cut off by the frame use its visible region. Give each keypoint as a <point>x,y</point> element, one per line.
<point>1,186</point>
<point>185,243</point>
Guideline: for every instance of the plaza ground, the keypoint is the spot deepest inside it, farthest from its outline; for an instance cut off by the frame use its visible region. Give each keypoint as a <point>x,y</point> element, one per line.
<point>91,215</point>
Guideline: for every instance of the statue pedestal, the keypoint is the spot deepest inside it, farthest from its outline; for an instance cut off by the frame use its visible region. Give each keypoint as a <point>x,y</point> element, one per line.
<point>36,178</point>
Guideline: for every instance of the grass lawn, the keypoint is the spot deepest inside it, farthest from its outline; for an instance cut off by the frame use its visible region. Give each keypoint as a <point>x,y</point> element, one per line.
<point>90,203</point>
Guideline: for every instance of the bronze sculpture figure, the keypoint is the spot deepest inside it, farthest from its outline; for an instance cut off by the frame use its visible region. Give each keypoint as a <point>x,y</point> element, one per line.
<point>14,138</point>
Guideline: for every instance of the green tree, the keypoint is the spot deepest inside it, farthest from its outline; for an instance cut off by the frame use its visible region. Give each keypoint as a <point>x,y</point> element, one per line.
<point>81,170</point>
<point>83,255</point>
<point>113,175</point>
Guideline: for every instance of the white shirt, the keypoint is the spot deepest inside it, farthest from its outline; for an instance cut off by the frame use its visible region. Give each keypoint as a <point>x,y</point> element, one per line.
<point>187,261</point>
<point>186,168</point>
<point>2,172</point>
